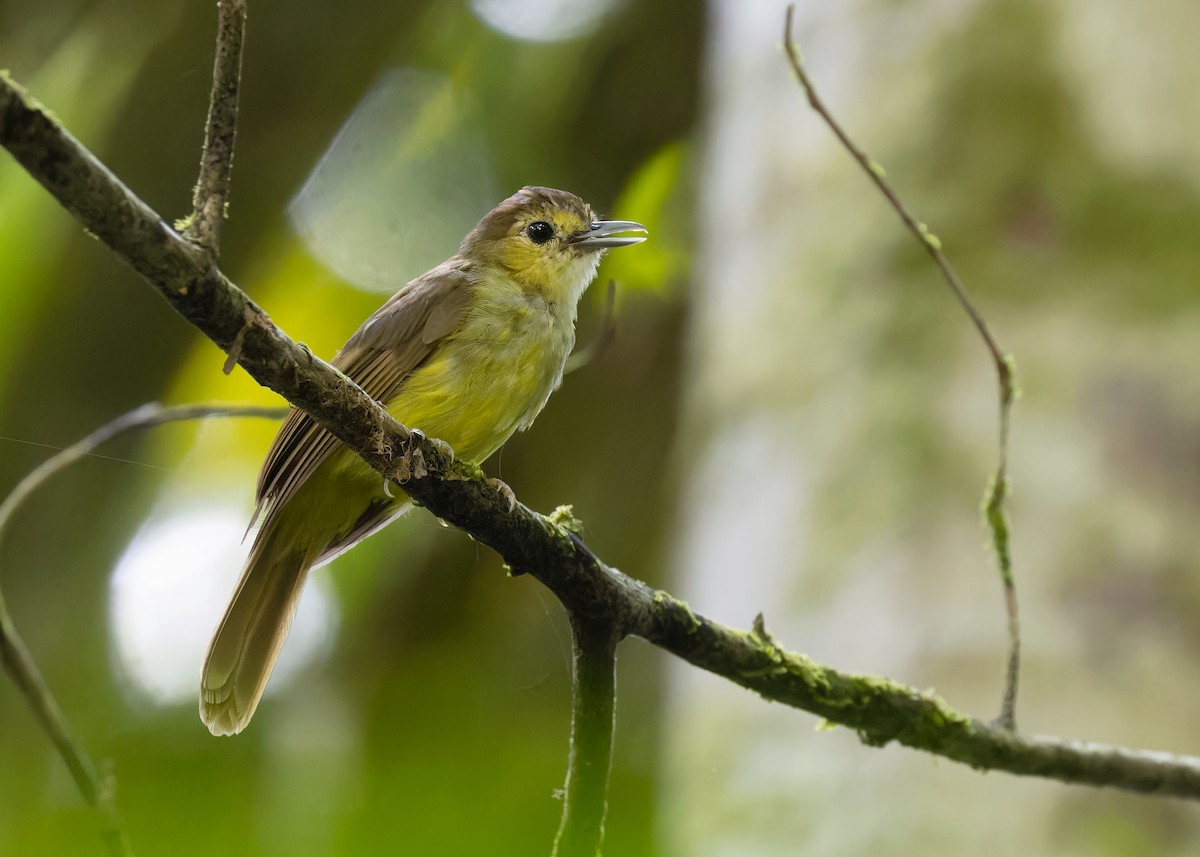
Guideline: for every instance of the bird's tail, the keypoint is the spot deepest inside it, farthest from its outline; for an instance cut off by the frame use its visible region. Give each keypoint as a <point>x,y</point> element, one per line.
<point>248,639</point>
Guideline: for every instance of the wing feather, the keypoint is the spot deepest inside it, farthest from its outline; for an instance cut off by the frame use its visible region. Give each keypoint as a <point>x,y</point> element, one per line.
<point>379,357</point>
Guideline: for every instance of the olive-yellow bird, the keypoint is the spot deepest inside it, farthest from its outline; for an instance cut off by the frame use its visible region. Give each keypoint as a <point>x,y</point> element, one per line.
<point>469,352</point>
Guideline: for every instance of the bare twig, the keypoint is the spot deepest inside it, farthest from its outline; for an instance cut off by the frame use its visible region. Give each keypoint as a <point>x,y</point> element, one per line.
<point>593,709</point>
<point>216,162</point>
<point>97,791</point>
<point>152,414</point>
<point>997,490</point>
<point>602,339</point>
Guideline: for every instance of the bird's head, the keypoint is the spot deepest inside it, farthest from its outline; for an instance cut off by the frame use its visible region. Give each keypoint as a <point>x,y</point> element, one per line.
<point>548,240</point>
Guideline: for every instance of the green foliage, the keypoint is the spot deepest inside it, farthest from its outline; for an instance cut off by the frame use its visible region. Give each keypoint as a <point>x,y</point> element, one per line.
<point>658,195</point>
<point>85,84</point>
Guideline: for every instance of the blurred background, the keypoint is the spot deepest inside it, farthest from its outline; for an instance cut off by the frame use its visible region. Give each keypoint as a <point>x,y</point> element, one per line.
<point>795,417</point>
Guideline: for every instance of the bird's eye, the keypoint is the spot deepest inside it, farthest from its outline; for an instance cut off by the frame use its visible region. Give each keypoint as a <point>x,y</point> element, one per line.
<point>540,232</point>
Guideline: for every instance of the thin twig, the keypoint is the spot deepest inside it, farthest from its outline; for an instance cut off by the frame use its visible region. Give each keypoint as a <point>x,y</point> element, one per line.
<point>152,414</point>
<point>97,791</point>
<point>997,490</point>
<point>602,339</point>
<point>589,762</point>
<point>210,196</point>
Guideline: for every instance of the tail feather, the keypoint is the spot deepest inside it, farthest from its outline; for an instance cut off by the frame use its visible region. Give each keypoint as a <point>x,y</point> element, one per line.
<point>251,633</point>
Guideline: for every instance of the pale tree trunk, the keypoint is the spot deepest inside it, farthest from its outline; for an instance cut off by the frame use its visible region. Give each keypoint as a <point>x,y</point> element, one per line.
<point>839,426</point>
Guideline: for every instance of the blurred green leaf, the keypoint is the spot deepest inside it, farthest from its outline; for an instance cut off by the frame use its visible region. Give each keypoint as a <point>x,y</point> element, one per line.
<point>407,176</point>
<point>656,196</point>
<point>83,81</point>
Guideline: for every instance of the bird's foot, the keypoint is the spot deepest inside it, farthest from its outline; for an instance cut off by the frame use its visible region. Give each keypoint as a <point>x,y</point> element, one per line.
<point>504,491</point>
<point>444,449</point>
<point>411,464</point>
<point>412,461</point>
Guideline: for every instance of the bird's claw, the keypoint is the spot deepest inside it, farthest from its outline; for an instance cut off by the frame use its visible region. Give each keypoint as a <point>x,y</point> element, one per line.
<point>443,448</point>
<point>504,491</point>
<point>411,464</point>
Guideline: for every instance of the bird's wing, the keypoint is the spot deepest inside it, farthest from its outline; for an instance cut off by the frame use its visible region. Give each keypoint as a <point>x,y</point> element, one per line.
<point>380,356</point>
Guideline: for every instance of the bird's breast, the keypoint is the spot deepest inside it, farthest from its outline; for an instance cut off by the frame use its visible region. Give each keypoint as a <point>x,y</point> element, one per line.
<point>493,376</point>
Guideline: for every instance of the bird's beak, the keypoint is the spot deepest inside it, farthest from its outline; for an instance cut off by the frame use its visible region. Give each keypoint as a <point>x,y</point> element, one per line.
<point>606,234</point>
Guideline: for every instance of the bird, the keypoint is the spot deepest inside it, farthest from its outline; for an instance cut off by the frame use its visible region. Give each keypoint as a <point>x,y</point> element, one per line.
<point>467,353</point>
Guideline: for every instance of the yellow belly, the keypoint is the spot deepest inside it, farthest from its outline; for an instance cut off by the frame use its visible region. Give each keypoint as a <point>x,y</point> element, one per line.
<point>490,378</point>
<point>482,384</point>
<point>475,402</point>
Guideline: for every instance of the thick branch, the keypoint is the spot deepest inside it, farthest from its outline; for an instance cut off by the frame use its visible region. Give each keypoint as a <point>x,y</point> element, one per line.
<point>880,710</point>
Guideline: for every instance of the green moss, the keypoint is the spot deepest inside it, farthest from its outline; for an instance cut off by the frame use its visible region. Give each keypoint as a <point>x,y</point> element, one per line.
<point>466,471</point>
<point>564,516</point>
<point>767,645</point>
<point>926,724</point>
<point>816,679</point>
<point>669,601</point>
<point>997,521</point>
<point>1010,361</point>
<point>928,237</point>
